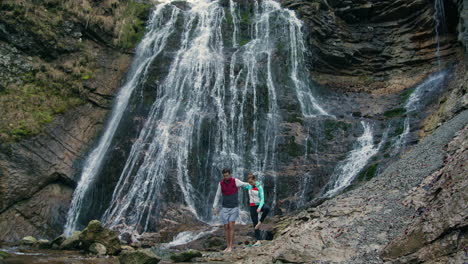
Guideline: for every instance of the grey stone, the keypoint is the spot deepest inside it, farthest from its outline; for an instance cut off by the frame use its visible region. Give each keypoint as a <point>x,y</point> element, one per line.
<point>141,256</point>
<point>186,256</point>
<point>72,242</point>
<point>98,249</point>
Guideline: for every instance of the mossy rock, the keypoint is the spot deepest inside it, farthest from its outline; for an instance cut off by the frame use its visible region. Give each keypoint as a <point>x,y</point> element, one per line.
<point>141,256</point>
<point>186,256</point>
<point>368,173</point>
<point>96,233</point>
<point>4,255</point>
<point>395,112</point>
<point>98,249</point>
<point>56,242</point>
<point>43,244</point>
<point>28,241</point>
<point>405,95</point>
<point>214,242</point>
<point>72,242</point>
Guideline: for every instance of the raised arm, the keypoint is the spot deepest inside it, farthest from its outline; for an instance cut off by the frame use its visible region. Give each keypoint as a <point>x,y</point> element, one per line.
<point>240,183</point>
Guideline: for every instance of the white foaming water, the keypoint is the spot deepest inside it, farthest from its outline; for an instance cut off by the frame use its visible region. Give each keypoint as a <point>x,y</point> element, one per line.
<point>149,48</point>
<point>439,17</point>
<point>206,89</point>
<point>187,237</point>
<point>309,104</point>
<point>357,159</point>
<point>415,102</point>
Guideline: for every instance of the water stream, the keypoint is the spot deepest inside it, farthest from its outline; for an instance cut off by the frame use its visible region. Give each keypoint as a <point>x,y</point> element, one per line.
<point>347,170</point>
<point>440,27</point>
<point>217,107</point>
<point>416,101</point>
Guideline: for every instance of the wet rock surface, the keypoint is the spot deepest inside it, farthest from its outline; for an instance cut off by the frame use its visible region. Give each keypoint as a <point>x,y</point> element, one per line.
<point>72,242</point>
<point>29,256</point>
<point>51,53</point>
<point>96,233</point>
<point>185,256</point>
<point>380,47</point>
<point>355,226</point>
<point>352,52</point>
<point>141,256</point>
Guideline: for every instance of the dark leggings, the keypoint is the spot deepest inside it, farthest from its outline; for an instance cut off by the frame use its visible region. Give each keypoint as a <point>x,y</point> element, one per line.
<point>254,215</point>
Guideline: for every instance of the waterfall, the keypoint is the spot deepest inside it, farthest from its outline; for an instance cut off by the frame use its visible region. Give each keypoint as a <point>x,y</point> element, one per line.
<point>439,17</point>
<point>347,170</point>
<point>416,101</point>
<point>217,107</point>
<point>307,178</point>
<point>149,48</point>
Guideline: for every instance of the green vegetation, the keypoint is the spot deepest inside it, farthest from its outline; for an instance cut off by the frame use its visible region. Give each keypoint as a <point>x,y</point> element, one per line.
<point>365,79</point>
<point>296,118</point>
<point>4,255</point>
<point>132,25</point>
<point>294,149</point>
<point>55,83</point>
<point>331,127</point>
<point>395,112</point>
<point>243,41</point>
<point>406,94</point>
<point>245,18</point>
<point>229,19</point>
<point>28,106</point>
<point>387,146</point>
<point>368,173</point>
<point>123,21</point>
<point>399,130</point>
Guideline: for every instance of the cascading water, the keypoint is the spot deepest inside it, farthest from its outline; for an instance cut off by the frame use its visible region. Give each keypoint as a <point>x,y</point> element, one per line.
<point>187,237</point>
<point>217,107</point>
<point>149,48</point>
<point>439,17</point>
<point>416,101</point>
<point>347,170</point>
<point>307,178</point>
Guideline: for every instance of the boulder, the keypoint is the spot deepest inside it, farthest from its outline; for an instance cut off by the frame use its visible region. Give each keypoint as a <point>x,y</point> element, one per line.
<point>98,249</point>
<point>141,256</point>
<point>28,241</point>
<point>73,242</point>
<point>127,248</point>
<point>186,256</point>
<point>96,233</point>
<point>56,242</point>
<point>43,244</point>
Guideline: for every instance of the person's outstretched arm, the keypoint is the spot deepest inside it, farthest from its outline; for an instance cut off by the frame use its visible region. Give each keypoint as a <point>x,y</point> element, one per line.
<point>216,200</point>
<point>240,183</point>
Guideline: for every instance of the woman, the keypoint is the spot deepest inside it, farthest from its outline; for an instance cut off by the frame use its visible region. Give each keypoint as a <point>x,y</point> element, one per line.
<point>257,204</point>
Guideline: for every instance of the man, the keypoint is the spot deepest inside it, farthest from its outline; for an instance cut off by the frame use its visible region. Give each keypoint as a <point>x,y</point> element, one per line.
<point>228,188</point>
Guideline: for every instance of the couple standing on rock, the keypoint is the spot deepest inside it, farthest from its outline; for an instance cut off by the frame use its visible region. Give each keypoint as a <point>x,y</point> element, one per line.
<point>228,190</point>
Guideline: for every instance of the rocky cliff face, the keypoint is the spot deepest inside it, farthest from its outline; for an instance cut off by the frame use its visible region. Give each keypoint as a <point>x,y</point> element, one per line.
<point>438,231</point>
<point>61,63</point>
<point>366,51</point>
<point>357,226</point>
<point>376,46</point>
